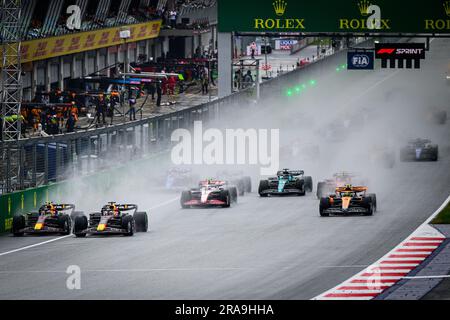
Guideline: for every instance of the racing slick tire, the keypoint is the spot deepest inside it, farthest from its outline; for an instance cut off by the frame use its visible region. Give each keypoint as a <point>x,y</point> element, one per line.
<point>248,184</point>
<point>141,221</point>
<point>76,214</point>
<point>79,226</point>
<point>308,183</point>
<point>17,225</point>
<point>129,225</point>
<point>300,184</point>
<point>323,205</point>
<point>185,197</point>
<point>240,187</point>
<point>319,192</point>
<point>234,194</point>
<point>435,154</point>
<point>368,204</point>
<point>263,185</point>
<point>66,224</point>
<point>374,201</point>
<point>226,197</point>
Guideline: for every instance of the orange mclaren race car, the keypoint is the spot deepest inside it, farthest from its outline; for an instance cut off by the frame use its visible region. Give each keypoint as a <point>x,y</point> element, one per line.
<point>348,200</point>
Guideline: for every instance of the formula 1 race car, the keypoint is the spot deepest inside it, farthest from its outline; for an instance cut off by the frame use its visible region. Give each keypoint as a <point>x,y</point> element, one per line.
<point>348,200</point>
<point>339,179</point>
<point>51,218</point>
<point>286,182</point>
<point>179,178</point>
<point>237,178</point>
<point>419,150</point>
<point>209,193</point>
<point>112,219</point>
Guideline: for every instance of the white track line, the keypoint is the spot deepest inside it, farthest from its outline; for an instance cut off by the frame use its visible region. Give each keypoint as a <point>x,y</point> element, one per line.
<point>34,245</point>
<point>63,237</point>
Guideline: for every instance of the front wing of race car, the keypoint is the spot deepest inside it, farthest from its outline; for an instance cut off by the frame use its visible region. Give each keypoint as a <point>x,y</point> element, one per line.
<point>284,191</point>
<point>208,202</point>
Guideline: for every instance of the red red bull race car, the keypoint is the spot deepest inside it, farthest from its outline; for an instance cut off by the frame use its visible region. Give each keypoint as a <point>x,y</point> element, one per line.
<point>51,218</point>
<point>209,193</point>
<point>113,218</point>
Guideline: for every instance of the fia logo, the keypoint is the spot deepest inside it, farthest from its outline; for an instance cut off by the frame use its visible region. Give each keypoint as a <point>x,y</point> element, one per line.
<point>360,60</point>
<point>74,21</point>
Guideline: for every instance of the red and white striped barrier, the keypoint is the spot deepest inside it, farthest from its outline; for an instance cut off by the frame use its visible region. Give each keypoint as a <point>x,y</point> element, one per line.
<point>391,268</point>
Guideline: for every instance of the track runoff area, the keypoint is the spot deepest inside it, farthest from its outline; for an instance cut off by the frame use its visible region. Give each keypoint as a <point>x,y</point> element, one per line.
<point>274,247</point>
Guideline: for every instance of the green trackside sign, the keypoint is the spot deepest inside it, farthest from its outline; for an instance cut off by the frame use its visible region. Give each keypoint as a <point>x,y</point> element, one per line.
<point>339,16</point>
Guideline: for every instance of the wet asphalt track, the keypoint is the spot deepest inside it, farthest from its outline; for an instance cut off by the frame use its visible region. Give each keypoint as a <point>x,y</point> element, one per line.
<point>260,248</point>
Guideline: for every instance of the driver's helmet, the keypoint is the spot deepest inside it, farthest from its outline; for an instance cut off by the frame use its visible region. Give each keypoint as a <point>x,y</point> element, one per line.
<point>348,187</point>
<point>49,208</point>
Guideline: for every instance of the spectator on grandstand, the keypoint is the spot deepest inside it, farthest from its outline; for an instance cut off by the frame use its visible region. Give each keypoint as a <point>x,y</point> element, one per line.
<point>237,79</point>
<point>172,81</point>
<point>100,108</point>
<point>70,124</point>
<point>248,79</point>
<point>173,18</point>
<point>132,111</point>
<point>205,81</point>
<point>158,93</point>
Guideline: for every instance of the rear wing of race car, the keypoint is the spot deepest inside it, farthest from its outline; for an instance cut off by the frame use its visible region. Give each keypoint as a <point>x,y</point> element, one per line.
<point>57,207</point>
<point>120,207</point>
<point>354,189</point>
<point>211,182</point>
<point>291,172</point>
<point>345,174</point>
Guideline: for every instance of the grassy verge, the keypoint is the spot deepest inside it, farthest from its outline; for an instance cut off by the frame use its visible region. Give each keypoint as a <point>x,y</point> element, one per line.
<point>443,217</point>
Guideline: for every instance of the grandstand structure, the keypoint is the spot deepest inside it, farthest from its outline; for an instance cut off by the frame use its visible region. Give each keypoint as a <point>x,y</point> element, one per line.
<point>41,53</point>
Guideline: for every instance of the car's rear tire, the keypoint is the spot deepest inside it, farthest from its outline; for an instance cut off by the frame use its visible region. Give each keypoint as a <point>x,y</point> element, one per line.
<point>226,197</point>
<point>141,221</point>
<point>263,185</point>
<point>323,205</point>
<point>368,204</point>
<point>233,194</point>
<point>65,223</point>
<point>300,184</point>
<point>373,198</point>
<point>319,191</point>
<point>248,184</point>
<point>18,225</point>
<point>308,183</point>
<point>435,154</point>
<point>240,187</point>
<point>79,226</point>
<point>75,214</point>
<point>128,224</point>
<point>185,197</point>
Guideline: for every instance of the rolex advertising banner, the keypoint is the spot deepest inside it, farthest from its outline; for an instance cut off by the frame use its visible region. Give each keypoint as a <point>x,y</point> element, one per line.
<point>377,16</point>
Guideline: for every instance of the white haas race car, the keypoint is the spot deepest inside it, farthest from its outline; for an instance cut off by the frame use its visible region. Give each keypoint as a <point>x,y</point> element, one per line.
<point>209,193</point>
